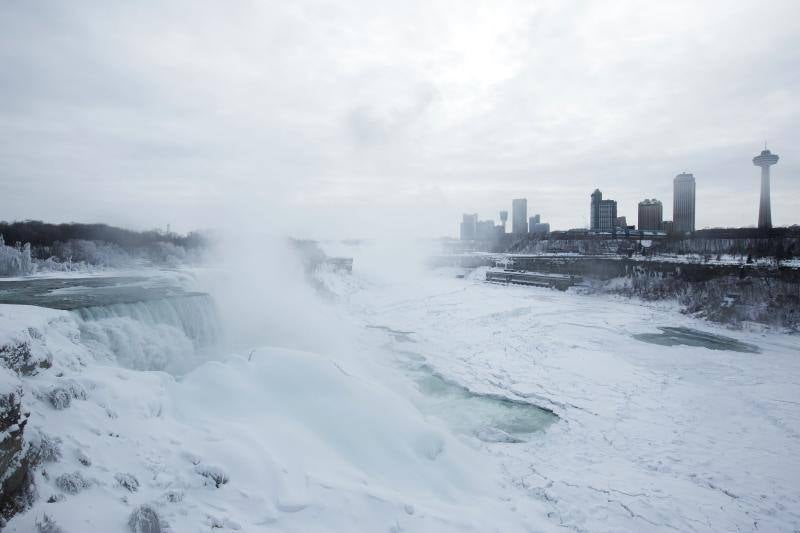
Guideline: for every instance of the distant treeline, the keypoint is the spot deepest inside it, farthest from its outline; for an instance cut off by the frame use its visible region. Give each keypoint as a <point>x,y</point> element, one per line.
<point>39,233</point>
<point>34,246</point>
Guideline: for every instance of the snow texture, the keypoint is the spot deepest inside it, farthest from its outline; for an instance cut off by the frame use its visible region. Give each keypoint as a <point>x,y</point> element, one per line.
<point>648,437</point>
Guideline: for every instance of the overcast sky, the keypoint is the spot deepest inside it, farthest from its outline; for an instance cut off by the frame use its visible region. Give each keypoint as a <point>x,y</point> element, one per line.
<point>338,119</point>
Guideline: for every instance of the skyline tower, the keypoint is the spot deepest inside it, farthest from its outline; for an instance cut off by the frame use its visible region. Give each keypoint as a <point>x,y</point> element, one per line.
<point>519,216</point>
<point>603,213</point>
<point>594,213</point>
<point>503,219</point>
<point>468,230</point>
<point>651,215</point>
<point>683,203</point>
<point>765,160</point>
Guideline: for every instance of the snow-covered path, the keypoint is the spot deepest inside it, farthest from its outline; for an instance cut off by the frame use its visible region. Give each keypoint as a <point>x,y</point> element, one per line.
<point>651,437</point>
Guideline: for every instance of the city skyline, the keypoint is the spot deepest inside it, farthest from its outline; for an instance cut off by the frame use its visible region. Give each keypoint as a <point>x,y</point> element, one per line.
<point>683,201</point>
<point>456,114</point>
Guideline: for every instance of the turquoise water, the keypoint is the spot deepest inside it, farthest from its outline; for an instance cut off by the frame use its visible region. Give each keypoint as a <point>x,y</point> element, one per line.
<point>75,293</point>
<point>491,418</point>
<point>673,336</point>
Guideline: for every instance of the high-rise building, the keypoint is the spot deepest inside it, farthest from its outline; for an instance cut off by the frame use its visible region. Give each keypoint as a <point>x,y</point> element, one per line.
<point>503,220</point>
<point>594,214</point>
<point>540,228</point>
<point>469,227</point>
<point>667,226</point>
<point>519,216</point>
<point>622,222</point>
<point>683,203</point>
<point>608,215</point>
<point>532,221</point>
<point>765,160</point>
<point>603,213</point>
<point>486,230</point>
<point>651,215</point>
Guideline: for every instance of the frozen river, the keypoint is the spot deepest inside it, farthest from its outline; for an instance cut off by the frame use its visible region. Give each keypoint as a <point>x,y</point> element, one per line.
<point>665,422</point>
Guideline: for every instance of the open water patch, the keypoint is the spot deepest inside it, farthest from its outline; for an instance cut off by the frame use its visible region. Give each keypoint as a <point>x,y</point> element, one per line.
<point>490,418</point>
<point>674,336</point>
<point>75,293</point>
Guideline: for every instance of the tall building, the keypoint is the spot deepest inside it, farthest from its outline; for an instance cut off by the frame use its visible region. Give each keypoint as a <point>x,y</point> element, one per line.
<point>469,227</point>
<point>486,230</point>
<point>765,160</point>
<point>608,215</point>
<point>594,214</point>
<point>621,222</point>
<point>540,228</point>
<point>603,213</point>
<point>683,203</point>
<point>532,221</point>
<point>519,215</point>
<point>503,220</point>
<point>651,215</point>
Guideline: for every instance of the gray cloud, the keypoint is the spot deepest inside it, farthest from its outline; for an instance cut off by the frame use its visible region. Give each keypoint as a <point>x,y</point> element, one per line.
<point>362,117</point>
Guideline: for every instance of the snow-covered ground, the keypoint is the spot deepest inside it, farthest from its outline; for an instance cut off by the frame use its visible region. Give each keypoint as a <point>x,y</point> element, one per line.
<point>651,437</point>
<point>353,435</point>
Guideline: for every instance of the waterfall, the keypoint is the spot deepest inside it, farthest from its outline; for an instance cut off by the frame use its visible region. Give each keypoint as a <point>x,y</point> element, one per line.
<point>159,334</point>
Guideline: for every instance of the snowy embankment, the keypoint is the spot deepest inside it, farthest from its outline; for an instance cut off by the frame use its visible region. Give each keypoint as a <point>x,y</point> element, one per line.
<point>273,439</point>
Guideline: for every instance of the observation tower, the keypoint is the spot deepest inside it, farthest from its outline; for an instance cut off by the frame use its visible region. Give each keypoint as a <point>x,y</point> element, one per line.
<point>765,160</point>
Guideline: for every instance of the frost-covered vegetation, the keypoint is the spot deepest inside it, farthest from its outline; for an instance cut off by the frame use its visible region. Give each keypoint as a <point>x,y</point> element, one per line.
<point>732,300</point>
<point>734,244</point>
<point>15,260</point>
<point>32,246</point>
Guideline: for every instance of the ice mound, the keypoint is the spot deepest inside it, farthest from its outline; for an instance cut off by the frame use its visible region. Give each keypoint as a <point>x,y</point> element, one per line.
<point>284,439</point>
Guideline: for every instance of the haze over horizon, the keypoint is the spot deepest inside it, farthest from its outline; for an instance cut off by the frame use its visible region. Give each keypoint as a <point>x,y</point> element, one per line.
<point>369,119</point>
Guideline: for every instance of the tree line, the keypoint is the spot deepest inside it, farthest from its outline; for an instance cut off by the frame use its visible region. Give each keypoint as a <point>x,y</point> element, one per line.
<point>39,233</point>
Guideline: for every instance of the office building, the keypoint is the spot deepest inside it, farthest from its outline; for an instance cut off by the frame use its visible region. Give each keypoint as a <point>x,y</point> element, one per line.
<point>651,215</point>
<point>540,228</point>
<point>622,222</point>
<point>608,215</point>
<point>765,160</point>
<point>683,203</point>
<point>469,227</point>
<point>603,214</point>
<point>594,213</point>
<point>519,216</point>
<point>486,230</point>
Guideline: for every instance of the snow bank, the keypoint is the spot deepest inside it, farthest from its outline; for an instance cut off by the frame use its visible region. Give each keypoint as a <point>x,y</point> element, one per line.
<point>302,441</point>
<point>277,439</point>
